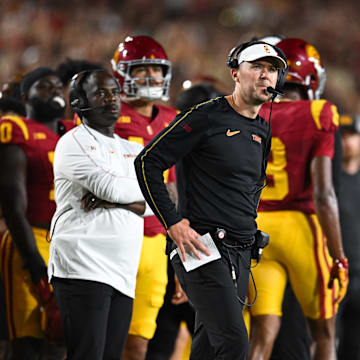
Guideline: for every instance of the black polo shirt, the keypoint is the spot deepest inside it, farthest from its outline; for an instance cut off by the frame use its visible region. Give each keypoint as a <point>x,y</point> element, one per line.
<point>221,161</point>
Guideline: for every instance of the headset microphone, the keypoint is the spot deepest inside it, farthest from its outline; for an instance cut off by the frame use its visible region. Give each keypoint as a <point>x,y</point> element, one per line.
<point>93,108</point>
<point>74,105</point>
<point>273,91</point>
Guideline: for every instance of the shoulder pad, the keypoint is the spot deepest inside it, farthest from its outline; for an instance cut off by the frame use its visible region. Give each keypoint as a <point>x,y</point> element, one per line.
<point>325,115</point>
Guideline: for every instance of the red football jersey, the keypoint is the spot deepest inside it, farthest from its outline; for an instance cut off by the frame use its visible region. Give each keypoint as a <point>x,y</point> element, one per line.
<point>141,129</point>
<point>38,143</point>
<point>301,130</point>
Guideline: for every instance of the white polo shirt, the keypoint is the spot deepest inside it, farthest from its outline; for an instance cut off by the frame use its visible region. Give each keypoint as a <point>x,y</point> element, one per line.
<point>102,245</point>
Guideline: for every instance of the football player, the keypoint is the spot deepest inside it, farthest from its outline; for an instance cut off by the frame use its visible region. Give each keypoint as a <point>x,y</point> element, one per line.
<point>27,196</point>
<point>299,210</point>
<point>9,105</point>
<point>144,72</point>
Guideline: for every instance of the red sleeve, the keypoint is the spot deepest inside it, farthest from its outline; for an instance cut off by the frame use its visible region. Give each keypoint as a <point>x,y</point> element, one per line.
<point>326,118</point>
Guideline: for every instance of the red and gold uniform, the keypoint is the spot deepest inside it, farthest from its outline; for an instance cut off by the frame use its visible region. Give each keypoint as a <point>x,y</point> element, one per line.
<point>152,274</point>
<point>302,130</point>
<point>38,143</point>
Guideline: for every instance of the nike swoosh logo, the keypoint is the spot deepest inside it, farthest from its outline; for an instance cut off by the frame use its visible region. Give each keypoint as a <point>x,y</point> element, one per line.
<point>232,133</point>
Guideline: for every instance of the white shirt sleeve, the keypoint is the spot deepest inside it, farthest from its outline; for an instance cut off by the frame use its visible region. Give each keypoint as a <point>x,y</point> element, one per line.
<point>81,159</point>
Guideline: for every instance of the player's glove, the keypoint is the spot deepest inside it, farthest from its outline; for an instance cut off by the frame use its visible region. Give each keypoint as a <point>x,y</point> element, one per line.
<point>340,271</point>
<point>50,315</point>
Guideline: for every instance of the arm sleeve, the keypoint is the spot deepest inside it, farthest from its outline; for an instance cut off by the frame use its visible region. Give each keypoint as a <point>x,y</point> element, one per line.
<point>81,160</point>
<point>168,147</point>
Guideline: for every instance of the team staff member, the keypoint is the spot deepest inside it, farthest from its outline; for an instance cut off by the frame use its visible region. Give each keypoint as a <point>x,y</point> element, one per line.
<point>144,72</point>
<point>95,251</point>
<point>299,209</point>
<point>176,308</point>
<point>27,197</point>
<point>222,146</point>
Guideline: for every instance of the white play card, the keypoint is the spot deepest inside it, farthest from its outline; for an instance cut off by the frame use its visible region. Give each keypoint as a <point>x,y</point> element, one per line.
<point>193,262</point>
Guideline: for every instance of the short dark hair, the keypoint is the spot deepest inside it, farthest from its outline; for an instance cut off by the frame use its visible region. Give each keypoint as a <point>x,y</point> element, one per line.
<point>195,95</point>
<point>11,104</point>
<point>12,89</point>
<point>350,122</point>
<point>33,76</point>
<point>70,67</point>
<point>302,90</point>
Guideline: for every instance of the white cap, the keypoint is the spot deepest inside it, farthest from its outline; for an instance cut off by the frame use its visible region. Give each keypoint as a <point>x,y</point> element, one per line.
<point>260,51</point>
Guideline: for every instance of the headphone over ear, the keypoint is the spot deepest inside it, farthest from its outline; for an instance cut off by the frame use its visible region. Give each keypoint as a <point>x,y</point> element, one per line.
<point>234,53</point>
<point>77,95</point>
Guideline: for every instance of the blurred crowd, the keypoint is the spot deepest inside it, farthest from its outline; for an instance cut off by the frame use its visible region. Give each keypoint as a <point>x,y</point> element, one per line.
<point>197,35</point>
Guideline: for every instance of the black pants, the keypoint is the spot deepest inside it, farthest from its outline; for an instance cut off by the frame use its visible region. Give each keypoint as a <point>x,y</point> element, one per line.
<point>162,345</point>
<point>220,331</point>
<point>95,317</point>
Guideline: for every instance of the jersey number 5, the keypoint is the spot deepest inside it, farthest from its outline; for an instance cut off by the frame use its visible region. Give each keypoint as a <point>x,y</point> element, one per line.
<point>276,169</point>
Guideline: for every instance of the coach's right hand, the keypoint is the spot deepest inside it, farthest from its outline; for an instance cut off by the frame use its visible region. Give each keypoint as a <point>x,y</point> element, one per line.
<point>186,238</point>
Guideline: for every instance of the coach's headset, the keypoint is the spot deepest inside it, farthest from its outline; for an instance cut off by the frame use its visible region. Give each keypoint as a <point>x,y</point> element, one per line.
<point>78,99</point>
<point>233,63</point>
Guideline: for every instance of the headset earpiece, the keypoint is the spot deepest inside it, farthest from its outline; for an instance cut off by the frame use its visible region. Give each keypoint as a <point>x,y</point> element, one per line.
<point>232,62</point>
<point>77,95</point>
<point>282,73</point>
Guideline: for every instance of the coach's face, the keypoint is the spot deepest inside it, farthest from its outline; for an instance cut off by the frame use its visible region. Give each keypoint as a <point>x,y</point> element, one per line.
<point>252,79</point>
<point>103,94</point>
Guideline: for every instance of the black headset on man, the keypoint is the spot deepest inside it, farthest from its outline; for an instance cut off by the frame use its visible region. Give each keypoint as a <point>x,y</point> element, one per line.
<point>78,100</point>
<point>233,63</point>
